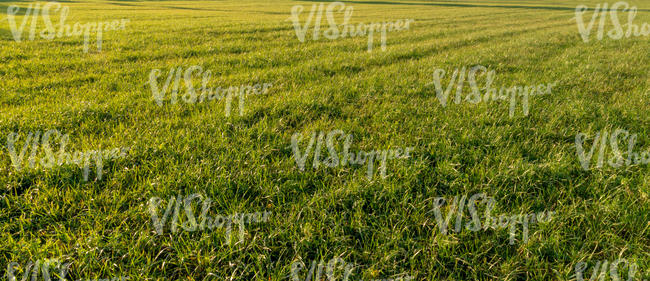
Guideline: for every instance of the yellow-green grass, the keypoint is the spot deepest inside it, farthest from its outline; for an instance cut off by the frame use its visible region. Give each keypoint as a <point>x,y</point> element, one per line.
<point>384,98</point>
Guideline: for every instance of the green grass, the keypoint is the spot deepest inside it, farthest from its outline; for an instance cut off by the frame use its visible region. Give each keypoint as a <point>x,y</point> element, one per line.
<point>386,227</point>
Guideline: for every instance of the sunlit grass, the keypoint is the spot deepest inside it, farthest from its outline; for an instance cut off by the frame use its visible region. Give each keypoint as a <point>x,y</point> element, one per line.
<point>384,98</point>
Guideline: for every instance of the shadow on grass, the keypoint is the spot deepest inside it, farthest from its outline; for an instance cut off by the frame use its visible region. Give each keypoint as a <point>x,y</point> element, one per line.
<point>124,4</point>
<point>21,12</point>
<point>6,34</point>
<point>572,9</point>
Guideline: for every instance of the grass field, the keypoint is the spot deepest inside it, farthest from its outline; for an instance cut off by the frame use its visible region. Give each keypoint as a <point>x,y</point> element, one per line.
<point>384,226</point>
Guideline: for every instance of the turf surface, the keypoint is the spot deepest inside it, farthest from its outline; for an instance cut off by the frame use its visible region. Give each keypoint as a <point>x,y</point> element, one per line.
<point>244,163</point>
